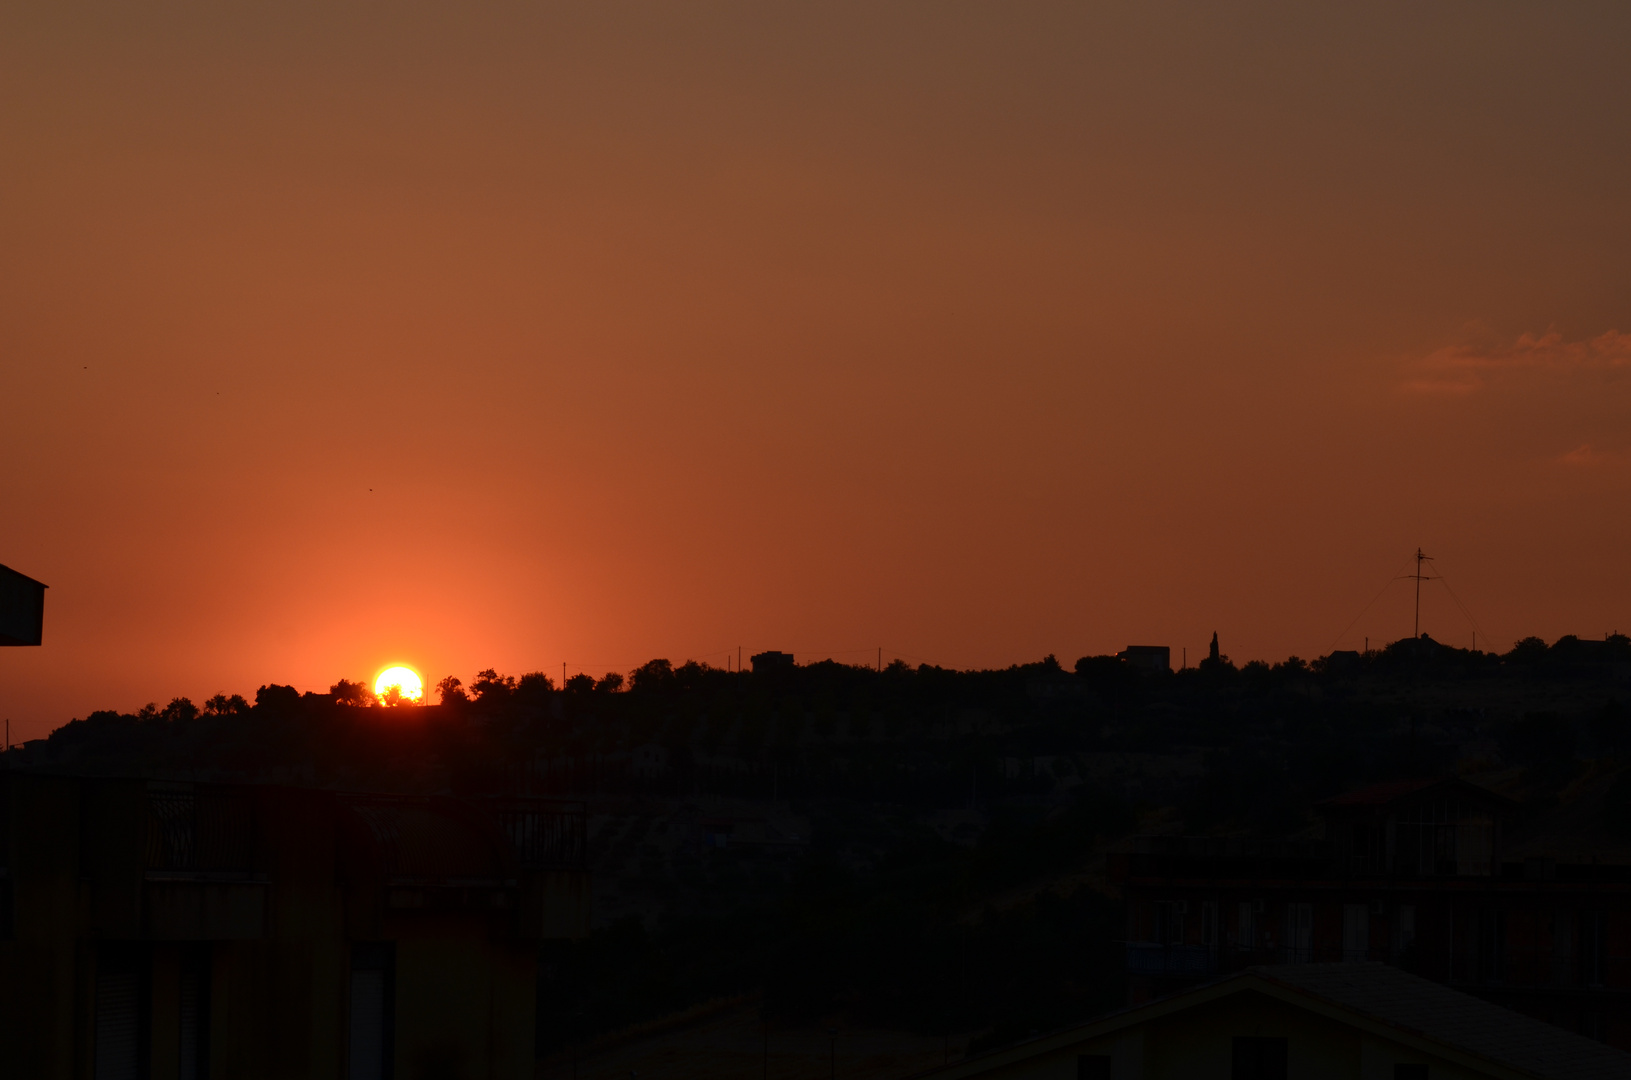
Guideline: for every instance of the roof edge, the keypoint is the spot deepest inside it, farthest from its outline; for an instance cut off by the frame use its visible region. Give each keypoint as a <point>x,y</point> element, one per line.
<point>1240,982</point>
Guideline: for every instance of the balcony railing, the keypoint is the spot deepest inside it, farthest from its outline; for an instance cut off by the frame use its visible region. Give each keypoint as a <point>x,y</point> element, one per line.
<point>1512,969</point>
<point>546,836</point>
<point>199,831</point>
<point>1150,958</point>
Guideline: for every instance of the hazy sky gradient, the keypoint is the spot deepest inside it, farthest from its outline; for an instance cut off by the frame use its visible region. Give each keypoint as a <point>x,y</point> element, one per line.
<point>527,334</point>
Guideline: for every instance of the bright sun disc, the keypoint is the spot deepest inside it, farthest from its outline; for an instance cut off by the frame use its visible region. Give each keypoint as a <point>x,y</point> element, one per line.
<point>405,679</point>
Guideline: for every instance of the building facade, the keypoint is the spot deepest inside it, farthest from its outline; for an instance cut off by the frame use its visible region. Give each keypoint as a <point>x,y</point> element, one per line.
<point>170,931</point>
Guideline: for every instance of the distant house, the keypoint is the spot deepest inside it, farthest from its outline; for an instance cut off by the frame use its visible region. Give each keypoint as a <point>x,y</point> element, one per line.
<point>1147,657</point>
<point>1342,661</point>
<point>772,661</point>
<point>1365,1021</point>
<point>22,608</point>
<point>177,930</point>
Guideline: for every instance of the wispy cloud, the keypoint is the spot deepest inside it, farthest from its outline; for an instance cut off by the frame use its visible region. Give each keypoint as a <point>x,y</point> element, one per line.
<point>1587,456</point>
<point>1458,370</point>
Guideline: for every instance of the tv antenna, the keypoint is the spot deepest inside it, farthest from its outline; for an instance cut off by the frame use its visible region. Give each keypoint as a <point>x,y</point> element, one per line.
<point>1420,577</point>
<point>1424,562</point>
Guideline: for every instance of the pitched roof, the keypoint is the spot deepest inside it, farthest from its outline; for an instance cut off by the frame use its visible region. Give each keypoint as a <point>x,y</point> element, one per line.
<point>25,577</point>
<point>1447,1016</point>
<point>1482,1038</point>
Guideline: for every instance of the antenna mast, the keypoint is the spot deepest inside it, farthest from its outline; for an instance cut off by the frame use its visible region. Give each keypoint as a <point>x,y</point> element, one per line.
<point>1420,577</point>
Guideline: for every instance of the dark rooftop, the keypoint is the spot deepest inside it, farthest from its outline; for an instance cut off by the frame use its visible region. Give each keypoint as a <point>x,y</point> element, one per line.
<point>1469,1024</point>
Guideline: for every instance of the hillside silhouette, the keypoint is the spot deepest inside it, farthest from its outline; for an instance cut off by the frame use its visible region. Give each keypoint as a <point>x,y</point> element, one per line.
<point>913,847</point>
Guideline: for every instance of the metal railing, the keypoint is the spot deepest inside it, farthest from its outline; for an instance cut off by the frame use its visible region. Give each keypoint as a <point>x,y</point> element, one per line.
<point>1515,969</point>
<point>546,836</point>
<point>200,831</point>
<point>1152,958</point>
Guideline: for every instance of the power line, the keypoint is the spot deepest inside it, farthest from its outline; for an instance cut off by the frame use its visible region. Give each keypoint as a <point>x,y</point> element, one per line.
<point>1476,629</point>
<point>1391,579</point>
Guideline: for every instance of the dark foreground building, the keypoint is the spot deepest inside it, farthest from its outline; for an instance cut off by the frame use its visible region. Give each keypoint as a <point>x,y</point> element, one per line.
<point>1362,1021</point>
<point>1410,874</point>
<point>169,931</point>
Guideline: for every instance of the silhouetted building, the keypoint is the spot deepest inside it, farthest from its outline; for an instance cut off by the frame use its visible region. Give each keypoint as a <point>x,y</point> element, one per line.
<point>1147,657</point>
<point>22,608</point>
<point>1212,653</point>
<point>1409,873</point>
<point>1342,662</point>
<point>177,930</point>
<point>771,661</point>
<point>1367,1021</point>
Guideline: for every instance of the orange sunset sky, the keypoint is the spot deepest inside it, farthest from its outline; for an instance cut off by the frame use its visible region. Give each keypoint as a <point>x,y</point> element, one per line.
<point>508,335</point>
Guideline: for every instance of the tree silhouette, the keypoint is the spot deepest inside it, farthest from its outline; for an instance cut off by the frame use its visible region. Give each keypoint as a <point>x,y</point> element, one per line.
<point>652,675</point>
<point>491,688</point>
<point>347,692</point>
<point>273,698</point>
<point>534,687</point>
<point>180,710</point>
<point>222,705</point>
<point>1531,650</point>
<point>394,696</point>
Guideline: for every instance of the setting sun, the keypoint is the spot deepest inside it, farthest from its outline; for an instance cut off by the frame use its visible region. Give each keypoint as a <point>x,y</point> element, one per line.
<point>404,680</point>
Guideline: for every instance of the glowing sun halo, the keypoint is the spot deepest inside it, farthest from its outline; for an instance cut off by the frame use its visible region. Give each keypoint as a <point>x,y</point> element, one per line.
<point>405,679</point>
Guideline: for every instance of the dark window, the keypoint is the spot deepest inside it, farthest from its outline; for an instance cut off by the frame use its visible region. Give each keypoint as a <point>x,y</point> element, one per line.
<point>194,1011</point>
<point>1093,1067</point>
<point>121,1013</point>
<point>373,1005</point>
<point>1259,1059</point>
<point>1409,1072</point>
